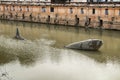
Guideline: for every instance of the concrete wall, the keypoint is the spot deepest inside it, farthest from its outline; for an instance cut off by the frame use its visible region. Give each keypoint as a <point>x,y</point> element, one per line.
<point>63,15</point>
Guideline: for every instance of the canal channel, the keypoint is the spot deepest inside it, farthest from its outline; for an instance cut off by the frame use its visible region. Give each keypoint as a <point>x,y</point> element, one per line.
<point>42,56</point>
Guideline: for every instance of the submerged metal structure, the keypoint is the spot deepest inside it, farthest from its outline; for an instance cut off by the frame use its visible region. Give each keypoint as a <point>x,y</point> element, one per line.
<point>90,44</point>
<point>17,36</point>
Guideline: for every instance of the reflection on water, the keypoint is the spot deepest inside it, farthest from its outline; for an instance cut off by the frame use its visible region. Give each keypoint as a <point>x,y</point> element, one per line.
<point>42,55</point>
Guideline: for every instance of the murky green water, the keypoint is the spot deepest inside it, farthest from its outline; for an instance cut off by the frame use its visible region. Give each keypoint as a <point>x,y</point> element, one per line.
<point>42,56</point>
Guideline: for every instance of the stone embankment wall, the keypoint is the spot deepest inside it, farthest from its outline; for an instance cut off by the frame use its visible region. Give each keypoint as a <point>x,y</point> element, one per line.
<point>106,16</point>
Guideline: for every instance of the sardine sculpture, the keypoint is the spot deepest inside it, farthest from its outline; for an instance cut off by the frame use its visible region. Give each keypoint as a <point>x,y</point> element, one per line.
<point>90,44</point>
<point>17,36</point>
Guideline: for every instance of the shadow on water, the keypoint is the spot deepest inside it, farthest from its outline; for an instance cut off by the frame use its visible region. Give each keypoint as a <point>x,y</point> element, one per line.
<point>25,59</point>
<point>14,50</point>
<point>6,58</point>
<point>48,26</point>
<point>96,55</point>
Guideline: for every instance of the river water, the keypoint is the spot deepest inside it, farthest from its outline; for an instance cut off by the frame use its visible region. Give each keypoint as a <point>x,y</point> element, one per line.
<point>42,56</point>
